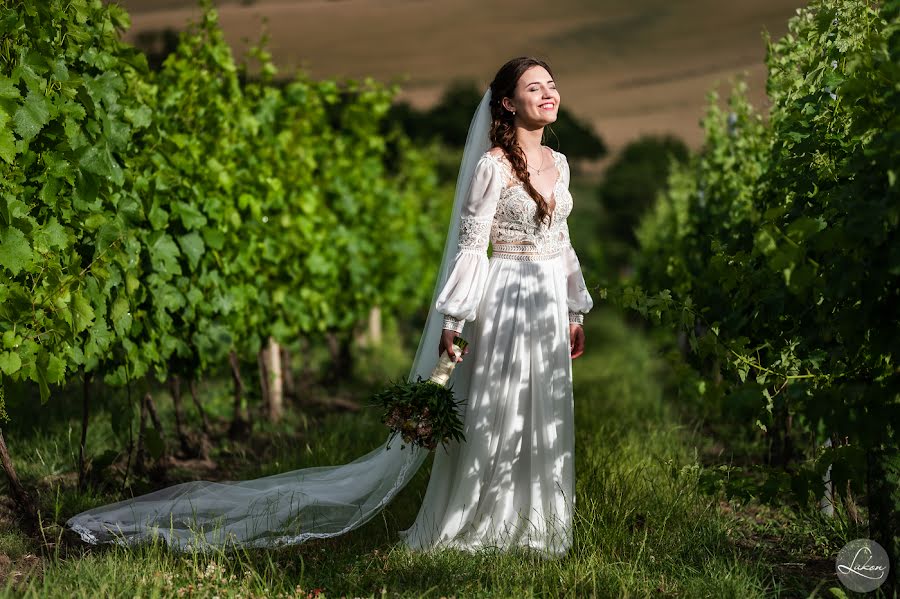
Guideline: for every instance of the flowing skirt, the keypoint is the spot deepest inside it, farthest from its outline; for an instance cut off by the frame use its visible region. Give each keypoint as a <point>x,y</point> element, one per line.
<point>511,483</point>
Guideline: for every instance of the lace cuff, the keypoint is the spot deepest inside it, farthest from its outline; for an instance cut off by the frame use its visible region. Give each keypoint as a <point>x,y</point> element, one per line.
<point>453,324</point>
<point>576,318</point>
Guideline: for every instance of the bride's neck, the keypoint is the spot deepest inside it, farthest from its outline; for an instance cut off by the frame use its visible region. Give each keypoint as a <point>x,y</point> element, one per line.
<point>530,139</point>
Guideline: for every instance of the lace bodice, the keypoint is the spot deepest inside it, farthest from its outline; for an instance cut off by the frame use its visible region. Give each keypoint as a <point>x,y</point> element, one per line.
<point>514,222</point>
<point>499,211</point>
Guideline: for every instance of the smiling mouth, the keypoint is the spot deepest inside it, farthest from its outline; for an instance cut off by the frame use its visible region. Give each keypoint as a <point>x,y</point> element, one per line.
<point>547,106</point>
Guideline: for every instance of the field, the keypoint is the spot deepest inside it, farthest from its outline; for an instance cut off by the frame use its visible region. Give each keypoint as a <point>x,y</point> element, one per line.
<point>628,68</point>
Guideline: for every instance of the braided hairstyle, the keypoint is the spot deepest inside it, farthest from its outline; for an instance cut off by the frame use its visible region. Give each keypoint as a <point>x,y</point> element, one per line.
<point>503,133</point>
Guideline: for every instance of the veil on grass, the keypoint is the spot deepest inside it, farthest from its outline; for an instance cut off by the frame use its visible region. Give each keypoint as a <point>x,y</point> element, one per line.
<point>295,506</point>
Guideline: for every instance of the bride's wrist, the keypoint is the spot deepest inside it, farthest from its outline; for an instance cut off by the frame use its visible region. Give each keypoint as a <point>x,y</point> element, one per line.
<point>453,324</point>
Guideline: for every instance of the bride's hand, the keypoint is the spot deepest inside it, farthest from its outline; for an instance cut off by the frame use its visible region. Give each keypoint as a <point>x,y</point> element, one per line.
<point>576,340</point>
<point>447,338</point>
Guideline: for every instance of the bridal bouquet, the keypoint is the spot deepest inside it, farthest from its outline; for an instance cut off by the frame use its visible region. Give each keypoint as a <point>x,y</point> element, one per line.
<point>423,412</point>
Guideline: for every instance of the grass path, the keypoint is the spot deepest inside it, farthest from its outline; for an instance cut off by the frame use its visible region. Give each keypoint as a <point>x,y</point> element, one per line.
<point>642,529</point>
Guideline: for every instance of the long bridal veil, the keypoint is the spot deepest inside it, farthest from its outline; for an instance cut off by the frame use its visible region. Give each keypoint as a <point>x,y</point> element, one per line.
<point>291,507</point>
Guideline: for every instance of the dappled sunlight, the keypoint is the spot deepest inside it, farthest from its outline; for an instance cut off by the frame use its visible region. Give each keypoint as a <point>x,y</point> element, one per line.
<point>511,483</point>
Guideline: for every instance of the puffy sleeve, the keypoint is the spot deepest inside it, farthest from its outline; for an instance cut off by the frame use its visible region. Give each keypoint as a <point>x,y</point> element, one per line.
<point>459,298</point>
<point>579,299</point>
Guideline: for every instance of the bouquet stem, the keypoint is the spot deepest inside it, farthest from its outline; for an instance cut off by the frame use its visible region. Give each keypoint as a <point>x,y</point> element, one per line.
<point>444,368</point>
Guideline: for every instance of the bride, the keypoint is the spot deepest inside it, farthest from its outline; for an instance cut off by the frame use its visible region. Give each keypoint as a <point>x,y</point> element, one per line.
<point>511,483</point>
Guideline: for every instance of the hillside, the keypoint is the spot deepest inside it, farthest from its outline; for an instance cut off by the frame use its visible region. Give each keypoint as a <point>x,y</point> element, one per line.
<point>642,66</point>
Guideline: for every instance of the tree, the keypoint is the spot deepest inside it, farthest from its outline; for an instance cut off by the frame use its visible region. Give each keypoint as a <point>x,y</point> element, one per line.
<point>629,190</point>
<point>448,122</point>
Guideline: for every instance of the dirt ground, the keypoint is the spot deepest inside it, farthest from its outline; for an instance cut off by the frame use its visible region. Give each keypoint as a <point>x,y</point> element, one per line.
<point>628,67</point>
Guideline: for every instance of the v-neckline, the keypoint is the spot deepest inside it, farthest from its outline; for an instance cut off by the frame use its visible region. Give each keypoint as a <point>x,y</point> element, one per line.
<point>555,182</point>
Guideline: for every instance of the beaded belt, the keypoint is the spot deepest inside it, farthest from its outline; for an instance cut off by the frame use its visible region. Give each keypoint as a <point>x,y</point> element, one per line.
<point>513,251</point>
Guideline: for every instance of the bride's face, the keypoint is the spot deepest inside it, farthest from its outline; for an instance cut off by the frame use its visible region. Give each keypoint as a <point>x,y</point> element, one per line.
<point>535,100</point>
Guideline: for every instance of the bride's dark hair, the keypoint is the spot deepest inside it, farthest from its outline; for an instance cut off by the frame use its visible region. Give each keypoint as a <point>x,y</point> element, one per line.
<point>503,134</point>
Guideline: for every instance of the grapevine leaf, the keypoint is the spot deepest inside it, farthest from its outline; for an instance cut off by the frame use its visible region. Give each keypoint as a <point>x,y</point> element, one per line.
<point>120,315</point>
<point>139,117</point>
<point>7,145</point>
<point>805,227</point>
<point>10,362</point>
<point>99,160</point>
<point>59,70</point>
<point>31,116</point>
<point>98,59</point>
<point>164,254</point>
<point>10,339</point>
<point>82,313</point>
<point>51,235</point>
<point>87,188</point>
<point>106,87</point>
<point>214,238</point>
<point>15,251</point>
<point>56,369</point>
<point>43,383</point>
<point>192,246</point>
<point>8,89</point>
<point>191,217</point>
<point>158,216</point>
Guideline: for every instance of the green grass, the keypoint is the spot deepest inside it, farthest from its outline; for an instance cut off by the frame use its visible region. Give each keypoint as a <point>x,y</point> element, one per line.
<point>642,528</point>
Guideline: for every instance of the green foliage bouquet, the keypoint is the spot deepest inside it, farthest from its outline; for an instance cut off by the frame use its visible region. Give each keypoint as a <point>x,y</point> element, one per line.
<point>424,411</point>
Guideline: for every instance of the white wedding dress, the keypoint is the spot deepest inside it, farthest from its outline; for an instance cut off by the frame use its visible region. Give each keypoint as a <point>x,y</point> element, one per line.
<point>511,483</point>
